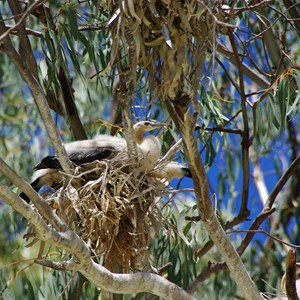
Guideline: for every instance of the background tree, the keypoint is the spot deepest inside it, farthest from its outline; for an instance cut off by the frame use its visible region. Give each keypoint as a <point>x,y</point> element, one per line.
<point>223,75</point>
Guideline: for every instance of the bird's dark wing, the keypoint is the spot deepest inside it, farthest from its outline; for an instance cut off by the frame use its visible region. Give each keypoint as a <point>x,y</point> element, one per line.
<point>48,162</point>
<point>35,185</point>
<point>87,155</point>
<point>187,172</point>
<point>24,196</point>
<point>82,156</point>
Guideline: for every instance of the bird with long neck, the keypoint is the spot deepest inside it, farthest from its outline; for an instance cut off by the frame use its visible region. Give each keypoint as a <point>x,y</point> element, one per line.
<point>149,147</point>
<point>163,173</point>
<point>102,147</point>
<point>171,170</point>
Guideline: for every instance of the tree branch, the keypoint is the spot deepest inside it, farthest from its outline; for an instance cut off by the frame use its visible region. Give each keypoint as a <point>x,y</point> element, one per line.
<point>59,266</point>
<point>25,46</point>
<point>134,283</point>
<point>43,208</point>
<point>292,9</point>
<point>246,143</point>
<point>39,98</point>
<point>259,178</point>
<point>125,101</point>
<point>210,269</point>
<point>282,181</point>
<point>206,211</point>
<point>267,234</point>
<point>268,210</point>
<point>172,151</point>
<point>290,283</point>
<point>42,229</point>
<point>27,30</point>
<point>63,96</point>
<point>248,71</point>
<point>101,277</point>
<point>70,106</point>
<point>269,39</point>
<point>6,33</point>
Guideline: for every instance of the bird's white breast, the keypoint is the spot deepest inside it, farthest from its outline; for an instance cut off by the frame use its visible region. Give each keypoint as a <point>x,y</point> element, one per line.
<point>149,152</point>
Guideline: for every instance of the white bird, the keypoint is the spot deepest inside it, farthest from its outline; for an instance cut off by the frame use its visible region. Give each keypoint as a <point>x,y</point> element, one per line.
<point>148,147</point>
<point>163,173</point>
<point>102,147</point>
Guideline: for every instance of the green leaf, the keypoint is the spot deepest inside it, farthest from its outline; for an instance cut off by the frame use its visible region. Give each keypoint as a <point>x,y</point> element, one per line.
<point>72,19</point>
<point>181,223</point>
<point>282,99</point>
<point>294,109</point>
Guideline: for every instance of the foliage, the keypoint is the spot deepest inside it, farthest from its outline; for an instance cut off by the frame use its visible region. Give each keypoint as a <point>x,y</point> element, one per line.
<point>247,95</point>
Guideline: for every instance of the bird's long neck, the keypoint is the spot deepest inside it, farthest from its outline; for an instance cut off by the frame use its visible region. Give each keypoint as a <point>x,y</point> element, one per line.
<point>139,136</point>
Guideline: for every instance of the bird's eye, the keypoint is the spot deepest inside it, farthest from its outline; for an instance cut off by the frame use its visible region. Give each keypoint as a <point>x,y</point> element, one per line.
<point>147,123</point>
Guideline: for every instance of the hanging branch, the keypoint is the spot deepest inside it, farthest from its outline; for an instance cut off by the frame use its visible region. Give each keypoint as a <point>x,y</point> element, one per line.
<point>38,96</point>
<point>25,46</point>
<point>65,95</point>
<point>6,33</point>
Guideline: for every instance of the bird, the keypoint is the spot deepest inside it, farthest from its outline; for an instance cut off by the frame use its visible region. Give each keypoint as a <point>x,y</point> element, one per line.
<point>164,172</point>
<point>102,147</point>
<point>149,147</point>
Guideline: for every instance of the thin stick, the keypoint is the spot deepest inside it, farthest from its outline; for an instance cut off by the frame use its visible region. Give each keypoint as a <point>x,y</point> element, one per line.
<point>267,234</point>
<point>15,27</point>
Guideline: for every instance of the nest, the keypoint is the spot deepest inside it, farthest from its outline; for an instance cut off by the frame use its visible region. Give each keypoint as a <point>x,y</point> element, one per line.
<point>112,209</point>
<point>169,39</point>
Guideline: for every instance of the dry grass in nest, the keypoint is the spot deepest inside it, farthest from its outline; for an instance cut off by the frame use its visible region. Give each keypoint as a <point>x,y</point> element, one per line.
<point>111,211</point>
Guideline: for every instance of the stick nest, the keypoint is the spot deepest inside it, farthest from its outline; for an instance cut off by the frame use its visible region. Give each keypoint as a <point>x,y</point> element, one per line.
<point>112,210</point>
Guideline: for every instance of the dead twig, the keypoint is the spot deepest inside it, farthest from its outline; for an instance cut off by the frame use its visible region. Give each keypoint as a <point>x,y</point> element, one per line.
<point>31,8</point>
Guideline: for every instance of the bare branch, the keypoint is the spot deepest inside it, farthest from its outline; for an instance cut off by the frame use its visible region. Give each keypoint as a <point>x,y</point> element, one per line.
<point>282,181</point>
<point>267,234</point>
<point>21,20</point>
<point>28,212</point>
<point>134,283</point>
<point>39,98</point>
<point>172,151</point>
<point>264,214</point>
<point>290,283</point>
<point>59,266</point>
<point>292,9</point>
<point>70,106</point>
<point>43,208</point>
<point>206,211</point>
<point>27,30</point>
<point>246,142</point>
<point>210,269</point>
<point>25,46</point>
<point>223,129</point>
<point>248,71</point>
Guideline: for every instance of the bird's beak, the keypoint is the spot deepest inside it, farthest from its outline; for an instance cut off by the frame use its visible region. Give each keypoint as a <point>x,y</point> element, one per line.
<point>157,125</point>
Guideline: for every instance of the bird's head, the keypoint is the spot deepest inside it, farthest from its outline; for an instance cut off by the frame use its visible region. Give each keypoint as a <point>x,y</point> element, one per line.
<point>141,127</point>
<point>144,126</point>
